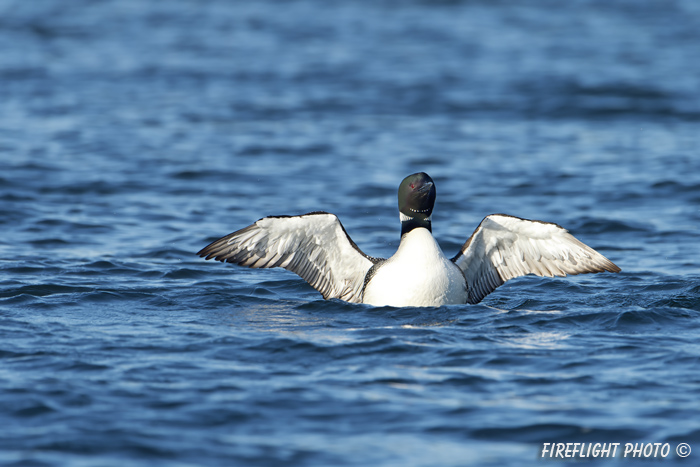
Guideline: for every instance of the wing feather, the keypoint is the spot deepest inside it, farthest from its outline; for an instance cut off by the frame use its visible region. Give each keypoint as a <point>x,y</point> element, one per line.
<point>315,246</point>
<point>504,247</point>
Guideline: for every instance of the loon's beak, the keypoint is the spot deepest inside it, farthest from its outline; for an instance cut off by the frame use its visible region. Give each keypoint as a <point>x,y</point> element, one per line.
<point>425,187</point>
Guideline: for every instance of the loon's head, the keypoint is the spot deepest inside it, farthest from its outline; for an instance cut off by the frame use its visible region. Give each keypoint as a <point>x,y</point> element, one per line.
<point>416,199</point>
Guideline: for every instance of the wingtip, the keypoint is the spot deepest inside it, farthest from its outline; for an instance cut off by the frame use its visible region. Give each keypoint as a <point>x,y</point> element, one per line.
<point>213,250</point>
<point>608,265</point>
<point>605,266</point>
<point>206,253</point>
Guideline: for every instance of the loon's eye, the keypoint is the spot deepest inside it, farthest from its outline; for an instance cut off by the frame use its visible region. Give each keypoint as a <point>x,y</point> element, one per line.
<point>412,186</point>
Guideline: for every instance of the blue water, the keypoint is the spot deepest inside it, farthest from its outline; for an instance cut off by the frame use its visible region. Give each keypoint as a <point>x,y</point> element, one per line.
<point>133,133</point>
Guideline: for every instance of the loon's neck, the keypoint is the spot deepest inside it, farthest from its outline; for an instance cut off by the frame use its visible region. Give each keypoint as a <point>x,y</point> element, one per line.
<point>410,223</point>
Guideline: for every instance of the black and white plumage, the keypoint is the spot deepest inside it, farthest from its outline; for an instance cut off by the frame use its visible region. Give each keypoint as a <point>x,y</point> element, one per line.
<point>504,247</point>
<point>316,247</point>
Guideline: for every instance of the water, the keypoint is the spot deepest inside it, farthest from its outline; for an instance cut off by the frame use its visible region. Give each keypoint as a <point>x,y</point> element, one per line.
<point>134,133</point>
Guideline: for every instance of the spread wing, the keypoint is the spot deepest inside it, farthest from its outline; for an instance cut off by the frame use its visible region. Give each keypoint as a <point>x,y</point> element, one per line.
<point>315,246</point>
<point>503,247</point>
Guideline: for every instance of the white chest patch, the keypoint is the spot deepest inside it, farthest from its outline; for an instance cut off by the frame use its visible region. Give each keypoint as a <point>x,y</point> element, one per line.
<point>418,274</point>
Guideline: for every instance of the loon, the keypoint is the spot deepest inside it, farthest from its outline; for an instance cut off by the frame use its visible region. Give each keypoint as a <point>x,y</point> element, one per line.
<point>316,247</point>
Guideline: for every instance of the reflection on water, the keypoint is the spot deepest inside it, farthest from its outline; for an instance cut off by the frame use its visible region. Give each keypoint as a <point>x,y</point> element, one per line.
<point>539,340</point>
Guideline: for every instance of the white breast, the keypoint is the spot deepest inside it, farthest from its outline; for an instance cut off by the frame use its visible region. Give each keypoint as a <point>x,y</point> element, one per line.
<point>418,274</point>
